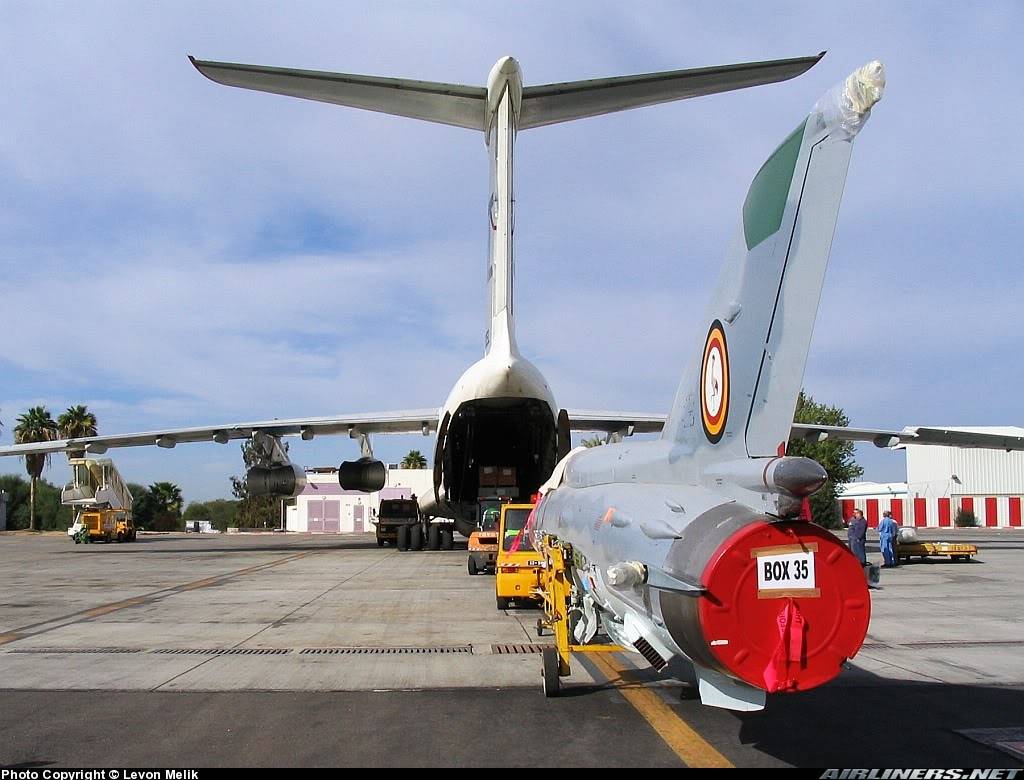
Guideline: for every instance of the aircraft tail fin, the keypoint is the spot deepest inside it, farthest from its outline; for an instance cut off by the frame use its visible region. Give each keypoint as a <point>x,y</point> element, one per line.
<point>739,394</point>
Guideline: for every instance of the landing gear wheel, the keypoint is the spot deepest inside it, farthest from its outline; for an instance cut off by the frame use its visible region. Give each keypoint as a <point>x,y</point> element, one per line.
<point>447,539</point>
<point>552,682</point>
<point>120,537</point>
<point>403,538</point>
<point>380,542</point>
<point>472,566</point>
<point>416,538</point>
<point>503,603</point>
<point>434,538</point>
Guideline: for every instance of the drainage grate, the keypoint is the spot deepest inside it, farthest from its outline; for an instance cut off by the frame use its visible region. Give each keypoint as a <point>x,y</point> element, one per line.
<point>77,650</point>
<point>517,649</point>
<point>223,651</point>
<point>386,650</point>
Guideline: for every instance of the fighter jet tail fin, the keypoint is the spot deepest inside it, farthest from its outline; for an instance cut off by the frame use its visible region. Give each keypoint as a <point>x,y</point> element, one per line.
<point>739,393</point>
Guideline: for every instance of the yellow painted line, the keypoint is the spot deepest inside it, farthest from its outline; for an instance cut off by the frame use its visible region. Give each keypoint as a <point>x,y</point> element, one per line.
<point>108,608</point>
<point>686,743</point>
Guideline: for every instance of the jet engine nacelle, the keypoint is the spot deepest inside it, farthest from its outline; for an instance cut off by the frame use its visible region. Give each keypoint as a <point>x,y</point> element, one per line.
<point>365,475</point>
<point>285,481</point>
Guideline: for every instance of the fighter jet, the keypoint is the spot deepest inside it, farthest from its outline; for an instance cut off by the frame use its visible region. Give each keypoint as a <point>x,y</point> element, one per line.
<point>689,549</point>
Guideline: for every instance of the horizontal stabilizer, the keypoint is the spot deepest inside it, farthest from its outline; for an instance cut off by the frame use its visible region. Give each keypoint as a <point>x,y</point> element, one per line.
<point>448,104</point>
<point>552,103</point>
<point>465,106</point>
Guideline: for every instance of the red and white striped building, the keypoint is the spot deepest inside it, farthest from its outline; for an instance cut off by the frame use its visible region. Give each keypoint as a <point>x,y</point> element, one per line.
<point>943,480</point>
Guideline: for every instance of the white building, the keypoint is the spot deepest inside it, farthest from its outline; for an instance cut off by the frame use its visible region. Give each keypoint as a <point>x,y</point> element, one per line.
<point>943,480</point>
<point>323,507</point>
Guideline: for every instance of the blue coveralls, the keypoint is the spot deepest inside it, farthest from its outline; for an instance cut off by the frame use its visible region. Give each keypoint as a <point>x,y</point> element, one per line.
<point>887,530</point>
<point>857,531</point>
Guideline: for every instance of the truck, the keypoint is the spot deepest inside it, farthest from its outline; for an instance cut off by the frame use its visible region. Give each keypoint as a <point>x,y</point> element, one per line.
<point>400,523</point>
<point>102,502</point>
<point>102,525</point>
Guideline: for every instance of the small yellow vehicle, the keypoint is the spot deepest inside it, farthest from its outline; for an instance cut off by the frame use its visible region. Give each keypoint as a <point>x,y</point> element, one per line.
<point>106,525</point>
<point>909,546</point>
<point>519,565</point>
<point>483,543</point>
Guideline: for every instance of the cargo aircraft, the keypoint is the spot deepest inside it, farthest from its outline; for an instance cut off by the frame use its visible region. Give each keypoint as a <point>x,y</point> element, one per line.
<point>686,548</point>
<point>501,412</point>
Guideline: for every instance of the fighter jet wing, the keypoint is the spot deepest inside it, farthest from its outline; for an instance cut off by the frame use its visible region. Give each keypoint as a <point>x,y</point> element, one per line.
<point>615,422</point>
<point>949,437</point>
<point>412,421</point>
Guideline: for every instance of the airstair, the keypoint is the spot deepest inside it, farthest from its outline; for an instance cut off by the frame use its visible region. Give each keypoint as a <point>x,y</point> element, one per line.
<point>96,484</point>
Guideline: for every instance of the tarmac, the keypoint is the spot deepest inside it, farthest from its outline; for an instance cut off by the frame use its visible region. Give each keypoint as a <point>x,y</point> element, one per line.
<point>299,650</point>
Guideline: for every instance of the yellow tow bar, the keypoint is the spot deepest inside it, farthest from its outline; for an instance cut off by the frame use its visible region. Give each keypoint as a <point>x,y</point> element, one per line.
<point>555,587</point>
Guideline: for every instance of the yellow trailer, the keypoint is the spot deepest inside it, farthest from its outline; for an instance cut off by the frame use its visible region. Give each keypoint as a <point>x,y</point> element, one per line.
<point>955,551</point>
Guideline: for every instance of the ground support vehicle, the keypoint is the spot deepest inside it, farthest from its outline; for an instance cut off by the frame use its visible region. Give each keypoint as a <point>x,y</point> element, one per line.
<point>102,525</point>
<point>955,551</point>
<point>518,565</point>
<point>556,589</point>
<point>400,522</point>
<point>483,542</point>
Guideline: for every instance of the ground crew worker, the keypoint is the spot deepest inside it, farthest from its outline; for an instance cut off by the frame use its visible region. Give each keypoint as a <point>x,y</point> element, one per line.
<point>887,532</point>
<point>857,536</point>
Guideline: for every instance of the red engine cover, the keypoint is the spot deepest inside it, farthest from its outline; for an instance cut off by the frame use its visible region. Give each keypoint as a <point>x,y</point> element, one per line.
<point>784,630</point>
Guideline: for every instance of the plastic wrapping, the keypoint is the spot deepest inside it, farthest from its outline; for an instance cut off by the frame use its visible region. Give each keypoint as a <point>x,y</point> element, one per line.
<point>908,534</point>
<point>847,105</point>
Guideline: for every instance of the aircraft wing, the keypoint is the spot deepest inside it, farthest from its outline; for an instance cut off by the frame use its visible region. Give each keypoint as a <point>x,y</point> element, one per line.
<point>615,422</point>
<point>886,438</point>
<point>413,421</point>
<point>612,422</point>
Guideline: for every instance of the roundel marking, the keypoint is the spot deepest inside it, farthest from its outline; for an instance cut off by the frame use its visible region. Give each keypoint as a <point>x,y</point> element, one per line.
<point>714,383</point>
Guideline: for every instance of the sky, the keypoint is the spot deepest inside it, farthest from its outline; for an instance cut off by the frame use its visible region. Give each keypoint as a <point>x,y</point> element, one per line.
<point>174,252</point>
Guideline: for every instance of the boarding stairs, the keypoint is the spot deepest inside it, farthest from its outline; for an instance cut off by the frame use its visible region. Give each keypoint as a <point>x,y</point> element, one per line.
<point>96,484</point>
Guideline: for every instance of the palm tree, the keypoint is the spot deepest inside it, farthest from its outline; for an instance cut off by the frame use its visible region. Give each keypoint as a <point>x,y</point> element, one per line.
<point>35,425</point>
<point>414,460</point>
<point>77,422</point>
<point>168,497</point>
